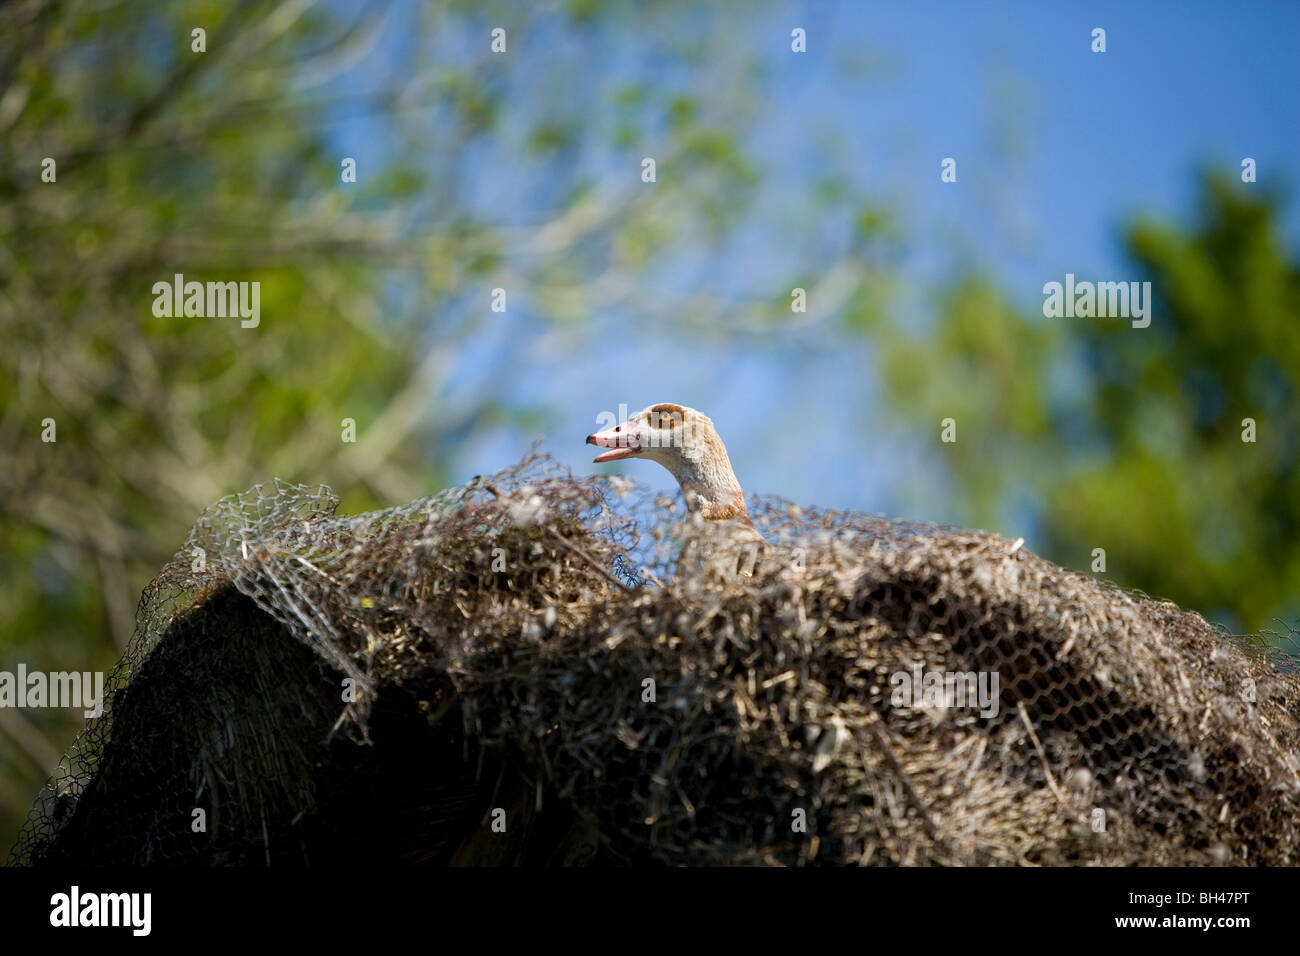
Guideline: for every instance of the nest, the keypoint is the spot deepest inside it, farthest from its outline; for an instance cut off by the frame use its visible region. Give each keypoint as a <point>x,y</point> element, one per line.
<point>517,672</point>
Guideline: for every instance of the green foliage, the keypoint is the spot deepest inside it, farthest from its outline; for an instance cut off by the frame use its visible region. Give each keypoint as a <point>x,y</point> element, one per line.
<point>1187,507</point>
<point>1131,439</point>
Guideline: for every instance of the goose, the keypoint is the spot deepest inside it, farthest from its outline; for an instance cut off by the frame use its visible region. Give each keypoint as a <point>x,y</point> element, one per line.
<point>685,442</point>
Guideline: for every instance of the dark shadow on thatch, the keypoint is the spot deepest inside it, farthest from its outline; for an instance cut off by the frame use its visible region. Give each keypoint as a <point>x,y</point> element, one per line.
<point>387,687</point>
<point>250,741</point>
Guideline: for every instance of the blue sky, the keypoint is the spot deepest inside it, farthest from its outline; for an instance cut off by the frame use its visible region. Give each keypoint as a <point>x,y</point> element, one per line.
<point>1057,147</point>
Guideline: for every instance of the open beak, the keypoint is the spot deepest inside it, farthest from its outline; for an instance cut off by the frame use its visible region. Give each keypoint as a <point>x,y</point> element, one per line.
<point>622,444</point>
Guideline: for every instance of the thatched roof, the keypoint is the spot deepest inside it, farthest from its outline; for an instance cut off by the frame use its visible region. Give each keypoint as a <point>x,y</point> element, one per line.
<point>522,651</point>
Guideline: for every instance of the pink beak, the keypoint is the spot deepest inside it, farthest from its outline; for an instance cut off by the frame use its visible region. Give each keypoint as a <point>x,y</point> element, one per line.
<point>621,439</point>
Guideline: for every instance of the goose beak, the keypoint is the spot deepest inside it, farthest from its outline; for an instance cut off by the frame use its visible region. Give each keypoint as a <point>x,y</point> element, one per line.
<point>622,444</point>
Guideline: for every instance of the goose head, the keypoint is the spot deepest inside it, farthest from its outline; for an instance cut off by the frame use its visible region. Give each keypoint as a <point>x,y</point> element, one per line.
<point>685,442</point>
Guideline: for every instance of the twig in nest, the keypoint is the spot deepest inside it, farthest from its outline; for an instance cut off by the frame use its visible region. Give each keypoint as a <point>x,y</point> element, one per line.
<point>900,775</point>
<point>1047,771</point>
<point>588,558</point>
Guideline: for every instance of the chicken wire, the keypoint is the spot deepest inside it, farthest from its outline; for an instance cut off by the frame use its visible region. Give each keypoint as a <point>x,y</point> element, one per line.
<point>525,670</point>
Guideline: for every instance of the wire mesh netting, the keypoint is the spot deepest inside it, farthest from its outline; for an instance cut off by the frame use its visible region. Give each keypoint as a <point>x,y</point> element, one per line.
<point>531,669</point>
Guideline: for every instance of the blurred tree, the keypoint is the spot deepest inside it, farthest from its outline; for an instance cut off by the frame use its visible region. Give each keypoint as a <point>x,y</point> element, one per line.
<point>1187,507</point>
<point>1131,439</point>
